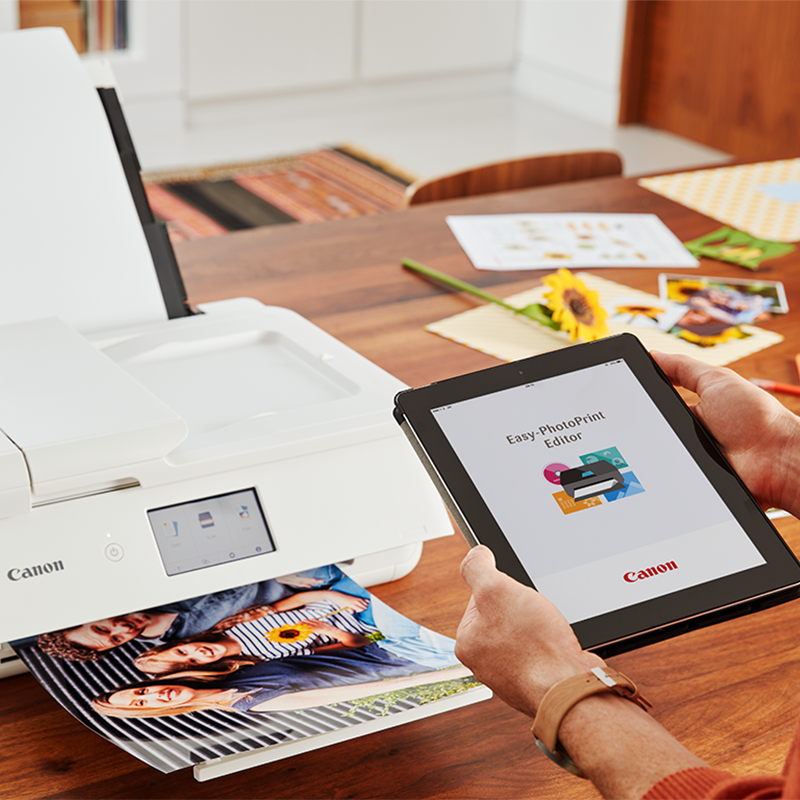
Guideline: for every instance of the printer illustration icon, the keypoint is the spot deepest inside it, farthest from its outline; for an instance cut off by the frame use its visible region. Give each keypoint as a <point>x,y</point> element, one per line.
<point>590,480</point>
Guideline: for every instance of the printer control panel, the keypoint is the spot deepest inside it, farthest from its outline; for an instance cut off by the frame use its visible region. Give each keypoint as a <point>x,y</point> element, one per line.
<point>210,531</point>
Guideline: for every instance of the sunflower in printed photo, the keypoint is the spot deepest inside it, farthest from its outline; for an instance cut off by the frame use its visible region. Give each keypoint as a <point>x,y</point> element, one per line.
<point>290,633</point>
<point>726,335</point>
<point>634,310</point>
<point>682,290</point>
<point>575,308</point>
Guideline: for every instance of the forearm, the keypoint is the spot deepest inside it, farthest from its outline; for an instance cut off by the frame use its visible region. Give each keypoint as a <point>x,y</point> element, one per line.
<point>621,748</point>
<point>299,600</point>
<point>247,615</point>
<point>312,596</point>
<point>344,641</point>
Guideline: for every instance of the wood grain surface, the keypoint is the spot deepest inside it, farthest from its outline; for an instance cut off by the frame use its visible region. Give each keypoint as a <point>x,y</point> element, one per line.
<point>720,72</point>
<point>730,692</point>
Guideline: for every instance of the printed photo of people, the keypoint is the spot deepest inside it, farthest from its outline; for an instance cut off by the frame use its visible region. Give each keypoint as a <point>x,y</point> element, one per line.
<point>256,666</point>
<point>702,310</point>
<point>714,308</point>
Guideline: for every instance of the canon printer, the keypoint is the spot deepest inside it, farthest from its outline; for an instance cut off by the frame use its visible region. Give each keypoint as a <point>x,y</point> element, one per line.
<point>132,425</point>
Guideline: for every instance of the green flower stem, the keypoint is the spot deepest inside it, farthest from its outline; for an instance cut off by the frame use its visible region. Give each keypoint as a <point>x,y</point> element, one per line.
<point>536,311</point>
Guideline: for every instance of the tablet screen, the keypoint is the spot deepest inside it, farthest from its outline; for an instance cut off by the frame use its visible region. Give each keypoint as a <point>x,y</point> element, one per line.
<point>587,500</point>
<point>592,481</point>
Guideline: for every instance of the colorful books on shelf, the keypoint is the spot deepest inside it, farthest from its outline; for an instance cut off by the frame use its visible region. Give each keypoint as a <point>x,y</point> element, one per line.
<point>106,24</point>
<point>93,26</point>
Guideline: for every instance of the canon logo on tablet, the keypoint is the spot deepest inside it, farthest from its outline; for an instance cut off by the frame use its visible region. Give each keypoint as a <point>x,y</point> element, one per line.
<point>632,577</point>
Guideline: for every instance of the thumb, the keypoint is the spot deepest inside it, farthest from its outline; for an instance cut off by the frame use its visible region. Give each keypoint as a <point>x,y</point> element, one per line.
<point>478,567</point>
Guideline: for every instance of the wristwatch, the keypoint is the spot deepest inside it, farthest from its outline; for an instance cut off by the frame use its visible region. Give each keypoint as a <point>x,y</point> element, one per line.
<point>561,697</point>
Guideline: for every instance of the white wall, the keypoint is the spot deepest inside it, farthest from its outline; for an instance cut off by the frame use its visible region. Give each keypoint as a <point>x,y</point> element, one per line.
<point>8,15</point>
<point>570,55</point>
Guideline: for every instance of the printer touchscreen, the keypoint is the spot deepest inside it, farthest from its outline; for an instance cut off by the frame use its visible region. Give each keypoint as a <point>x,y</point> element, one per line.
<point>210,531</point>
<point>592,488</point>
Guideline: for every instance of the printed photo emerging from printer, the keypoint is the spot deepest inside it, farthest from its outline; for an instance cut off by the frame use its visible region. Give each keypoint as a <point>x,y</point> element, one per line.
<point>261,665</point>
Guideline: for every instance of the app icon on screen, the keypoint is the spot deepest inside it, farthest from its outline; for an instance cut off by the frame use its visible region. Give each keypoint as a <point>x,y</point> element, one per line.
<point>596,481</point>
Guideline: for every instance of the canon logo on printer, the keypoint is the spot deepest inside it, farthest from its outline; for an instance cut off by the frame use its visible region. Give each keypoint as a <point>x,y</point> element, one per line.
<point>17,574</point>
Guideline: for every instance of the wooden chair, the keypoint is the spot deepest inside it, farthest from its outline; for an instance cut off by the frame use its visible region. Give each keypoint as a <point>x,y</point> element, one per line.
<point>521,173</point>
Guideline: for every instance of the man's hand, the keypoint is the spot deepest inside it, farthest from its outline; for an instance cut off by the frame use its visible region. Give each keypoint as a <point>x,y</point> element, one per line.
<point>757,434</point>
<point>519,645</point>
<point>514,639</point>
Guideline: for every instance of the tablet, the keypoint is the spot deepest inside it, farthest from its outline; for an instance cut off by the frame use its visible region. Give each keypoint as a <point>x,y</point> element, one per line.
<point>592,481</point>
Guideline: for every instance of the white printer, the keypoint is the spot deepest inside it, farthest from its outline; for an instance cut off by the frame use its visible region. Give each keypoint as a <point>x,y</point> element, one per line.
<point>148,453</point>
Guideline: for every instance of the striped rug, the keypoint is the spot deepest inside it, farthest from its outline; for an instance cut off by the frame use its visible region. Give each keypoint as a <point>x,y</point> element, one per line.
<point>326,184</point>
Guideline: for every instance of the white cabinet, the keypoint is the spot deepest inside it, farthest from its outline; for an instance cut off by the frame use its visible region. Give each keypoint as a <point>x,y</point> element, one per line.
<point>190,60</point>
<point>240,47</point>
<point>409,38</point>
<point>237,48</point>
<point>198,62</point>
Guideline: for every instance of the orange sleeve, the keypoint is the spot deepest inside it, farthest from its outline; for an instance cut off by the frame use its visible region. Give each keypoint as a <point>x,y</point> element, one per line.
<point>701,783</point>
<point>709,784</point>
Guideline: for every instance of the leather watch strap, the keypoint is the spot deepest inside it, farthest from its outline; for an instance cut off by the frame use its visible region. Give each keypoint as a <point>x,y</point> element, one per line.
<point>565,694</point>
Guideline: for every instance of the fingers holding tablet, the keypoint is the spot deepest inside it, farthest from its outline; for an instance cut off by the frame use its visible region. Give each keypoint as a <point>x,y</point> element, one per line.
<point>756,433</point>
<point>513,638</point>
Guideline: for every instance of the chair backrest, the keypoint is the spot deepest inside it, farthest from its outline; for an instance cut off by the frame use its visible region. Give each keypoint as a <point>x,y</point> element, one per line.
<point>521,173</point>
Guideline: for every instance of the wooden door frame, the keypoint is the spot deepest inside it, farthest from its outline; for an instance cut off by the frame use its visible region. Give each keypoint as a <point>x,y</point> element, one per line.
<point>632,77</point>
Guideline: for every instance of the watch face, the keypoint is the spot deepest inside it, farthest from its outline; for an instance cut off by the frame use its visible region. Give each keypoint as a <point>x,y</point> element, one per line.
<point>560,758</point>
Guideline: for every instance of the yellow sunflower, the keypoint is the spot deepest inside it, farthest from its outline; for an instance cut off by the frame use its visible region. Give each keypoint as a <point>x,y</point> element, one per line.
<point>709,341</point>
<point>651,312</point>
<point>680,290</point>
<point>574,307</point>
<point>293,632</point>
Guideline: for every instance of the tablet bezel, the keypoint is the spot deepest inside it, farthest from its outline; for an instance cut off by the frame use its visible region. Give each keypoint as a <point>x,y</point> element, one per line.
<point>775,581</point>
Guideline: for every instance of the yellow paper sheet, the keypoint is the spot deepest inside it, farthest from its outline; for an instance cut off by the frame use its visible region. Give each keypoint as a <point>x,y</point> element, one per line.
<point>735,196</point>
<point>508,336</point>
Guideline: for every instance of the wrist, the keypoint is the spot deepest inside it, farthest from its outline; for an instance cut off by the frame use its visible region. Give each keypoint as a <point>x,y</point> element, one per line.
<point>619,747</point>
<point>582,663</point>
<point>788,465</point>
<point>566,695</point>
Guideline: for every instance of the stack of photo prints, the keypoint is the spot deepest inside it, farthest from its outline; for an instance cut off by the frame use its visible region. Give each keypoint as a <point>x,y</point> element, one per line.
<point>708,311</point>
<point>704,311</point>
<point>264,667</point>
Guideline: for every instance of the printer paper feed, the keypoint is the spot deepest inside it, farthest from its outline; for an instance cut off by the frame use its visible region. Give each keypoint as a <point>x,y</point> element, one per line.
<point>275,668</point>
<point>72,245</point>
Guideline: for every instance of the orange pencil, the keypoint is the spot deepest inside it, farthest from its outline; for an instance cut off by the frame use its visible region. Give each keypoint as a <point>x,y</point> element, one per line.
<point>773,386</point>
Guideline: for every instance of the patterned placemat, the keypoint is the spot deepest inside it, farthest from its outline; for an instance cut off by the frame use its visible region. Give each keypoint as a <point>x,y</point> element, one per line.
<point>508,336</point>
<point>762,199</point>
<point>330,183</point>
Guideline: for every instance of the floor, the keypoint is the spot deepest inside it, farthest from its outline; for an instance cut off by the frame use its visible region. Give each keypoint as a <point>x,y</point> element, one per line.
<point>428,137</point>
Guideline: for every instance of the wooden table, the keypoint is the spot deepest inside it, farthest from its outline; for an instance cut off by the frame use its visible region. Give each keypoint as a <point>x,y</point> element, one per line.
<point>731,693</point>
